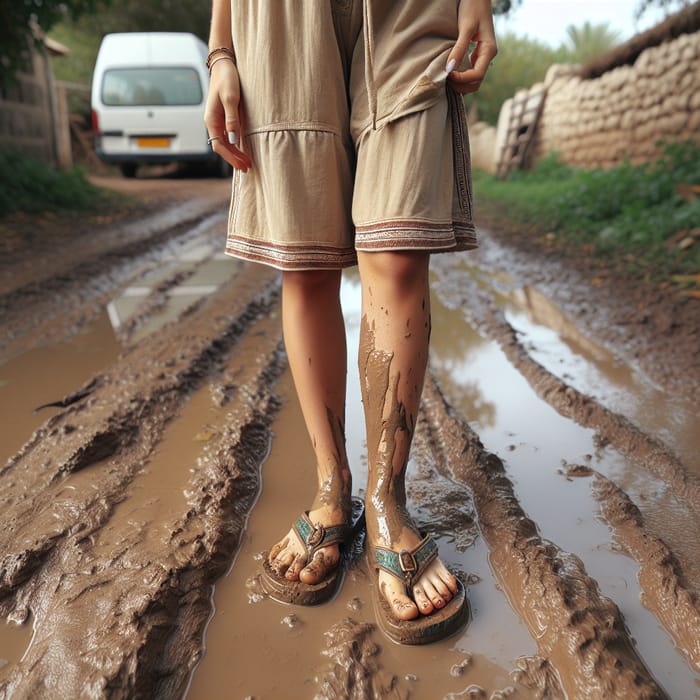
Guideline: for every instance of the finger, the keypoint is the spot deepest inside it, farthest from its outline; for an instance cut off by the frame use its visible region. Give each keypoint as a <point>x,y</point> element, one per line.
<point>459,51</point>
<point>465,88</point>
<point>482,56</point>
<point>233,155</point>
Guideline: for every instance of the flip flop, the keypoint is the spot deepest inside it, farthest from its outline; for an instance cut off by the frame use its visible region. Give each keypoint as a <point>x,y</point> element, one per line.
<point>314,537</point>
<point>408,566</point>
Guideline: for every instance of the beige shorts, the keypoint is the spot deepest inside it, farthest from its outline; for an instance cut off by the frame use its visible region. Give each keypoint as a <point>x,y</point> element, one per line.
<point>357,143</point>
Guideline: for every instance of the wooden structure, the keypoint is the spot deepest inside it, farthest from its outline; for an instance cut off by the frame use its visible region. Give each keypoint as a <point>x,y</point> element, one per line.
<point>525,110</point>
<point>34,118</point>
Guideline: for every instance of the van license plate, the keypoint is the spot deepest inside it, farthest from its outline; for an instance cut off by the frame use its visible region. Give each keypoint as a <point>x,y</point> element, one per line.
<point>153,142</point>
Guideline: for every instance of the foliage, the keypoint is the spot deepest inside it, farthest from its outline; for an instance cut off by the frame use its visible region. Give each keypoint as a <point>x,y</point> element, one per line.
<point>31,186</point>
<point>18,19</point>
<point>629,210</point>
<point>151,16</point>
<point>588,41</point>
<point>78,65</point>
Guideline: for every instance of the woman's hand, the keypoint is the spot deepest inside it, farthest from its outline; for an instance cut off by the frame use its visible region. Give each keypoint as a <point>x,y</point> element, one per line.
<point>475,24</point>
<point>222,114</point>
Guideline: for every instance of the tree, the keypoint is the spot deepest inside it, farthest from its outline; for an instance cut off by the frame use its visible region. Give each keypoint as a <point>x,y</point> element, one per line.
<point>20,19</point>
<point>152,16</point>
<point>589,40</point>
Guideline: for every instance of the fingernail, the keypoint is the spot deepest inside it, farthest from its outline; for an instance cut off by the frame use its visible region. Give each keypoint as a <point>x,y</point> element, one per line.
<point>233,138</point>
<point>451,66</point>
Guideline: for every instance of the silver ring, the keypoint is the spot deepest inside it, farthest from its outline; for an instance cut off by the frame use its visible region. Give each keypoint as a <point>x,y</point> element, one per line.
<point>211,139</point>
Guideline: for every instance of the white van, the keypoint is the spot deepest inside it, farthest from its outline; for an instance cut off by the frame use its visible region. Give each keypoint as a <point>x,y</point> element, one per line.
<point>148,96</point>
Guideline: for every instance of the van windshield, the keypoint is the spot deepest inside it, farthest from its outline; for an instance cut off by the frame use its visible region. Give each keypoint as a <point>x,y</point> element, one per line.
<point>151,86</point>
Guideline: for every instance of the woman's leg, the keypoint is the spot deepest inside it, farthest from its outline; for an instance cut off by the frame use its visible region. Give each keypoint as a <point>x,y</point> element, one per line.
<point>393,357</point>
<point>314,336</point>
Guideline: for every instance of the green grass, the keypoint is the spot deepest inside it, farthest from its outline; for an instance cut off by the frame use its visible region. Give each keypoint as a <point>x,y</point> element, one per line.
<point>34,187</point>
<point>634,213</point>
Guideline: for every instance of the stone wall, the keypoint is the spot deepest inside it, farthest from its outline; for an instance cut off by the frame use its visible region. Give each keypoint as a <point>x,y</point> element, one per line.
<point>621,115</point>
<point>624,113</point>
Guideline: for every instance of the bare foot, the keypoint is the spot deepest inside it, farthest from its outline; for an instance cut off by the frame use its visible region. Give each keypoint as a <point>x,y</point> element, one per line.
<point>288,556</point>
<point>432,591</point>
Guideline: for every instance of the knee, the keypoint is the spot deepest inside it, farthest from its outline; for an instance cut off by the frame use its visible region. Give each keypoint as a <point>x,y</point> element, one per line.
<point>311,282</point>
<point>401,269</point>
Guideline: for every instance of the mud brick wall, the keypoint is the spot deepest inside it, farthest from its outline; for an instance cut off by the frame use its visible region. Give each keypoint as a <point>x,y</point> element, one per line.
<point>627,111</point>
<point>621,115</point>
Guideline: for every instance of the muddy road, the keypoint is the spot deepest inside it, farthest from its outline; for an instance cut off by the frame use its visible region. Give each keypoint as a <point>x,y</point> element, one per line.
<point>152,448</point>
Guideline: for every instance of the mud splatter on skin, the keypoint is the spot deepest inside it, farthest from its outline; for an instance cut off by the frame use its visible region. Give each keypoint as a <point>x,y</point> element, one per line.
<point>581,633</point>
<point>387,424</point>
<point>662,582</point>
<point>335,480</point>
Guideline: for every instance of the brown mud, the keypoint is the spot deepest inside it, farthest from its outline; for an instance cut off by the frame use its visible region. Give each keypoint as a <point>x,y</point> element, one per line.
<point>172,453</point>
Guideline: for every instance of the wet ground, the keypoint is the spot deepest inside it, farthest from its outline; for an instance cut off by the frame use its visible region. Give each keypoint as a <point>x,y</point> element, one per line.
<point>554,462</point>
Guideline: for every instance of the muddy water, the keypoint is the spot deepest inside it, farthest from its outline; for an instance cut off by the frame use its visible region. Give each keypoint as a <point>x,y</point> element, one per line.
<point>249,634</point>
<point>258,648</point>
<point>47,374</point>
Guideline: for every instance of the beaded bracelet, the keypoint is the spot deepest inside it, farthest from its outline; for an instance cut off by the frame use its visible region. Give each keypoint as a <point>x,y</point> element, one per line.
<point>222,49</point>
<point>220,58</point>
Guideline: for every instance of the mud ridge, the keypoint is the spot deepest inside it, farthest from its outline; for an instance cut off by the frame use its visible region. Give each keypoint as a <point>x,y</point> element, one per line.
<point>579,631</point>
<point>58,303</point>
<point>53,514</point>
<point>34,266</point>
<point>611,427</point>
<point>660,576</point>
<point>355,672</point>
<point>156,301</point>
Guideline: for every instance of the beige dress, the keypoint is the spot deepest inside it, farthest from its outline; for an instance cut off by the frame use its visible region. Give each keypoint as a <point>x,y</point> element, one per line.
<point>357,143</point>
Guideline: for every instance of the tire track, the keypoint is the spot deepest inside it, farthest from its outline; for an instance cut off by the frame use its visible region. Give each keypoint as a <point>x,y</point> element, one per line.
<point>52,307</point>
<point>661,579</point>
<point>131,618</point>
<point>611,427</point>
<point>578,631</point>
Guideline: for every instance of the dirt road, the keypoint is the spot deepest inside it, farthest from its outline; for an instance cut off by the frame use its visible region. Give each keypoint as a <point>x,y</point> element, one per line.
<point>555,461</point>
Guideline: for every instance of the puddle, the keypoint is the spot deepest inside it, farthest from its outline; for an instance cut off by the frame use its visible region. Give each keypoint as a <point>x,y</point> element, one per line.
<point>247,637</point>
<point>14,641</point>
<point>263,649</point>
<point>49,374</point>
<point>532,439</point>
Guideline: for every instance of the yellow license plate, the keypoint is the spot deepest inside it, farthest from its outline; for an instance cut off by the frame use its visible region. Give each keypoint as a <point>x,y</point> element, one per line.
<point>153,142</point>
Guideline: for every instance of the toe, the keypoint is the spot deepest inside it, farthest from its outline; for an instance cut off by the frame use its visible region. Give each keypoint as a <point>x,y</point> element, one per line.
<point>402,606</point>
<point>423,602</point>
<point>282,562</point>
<point>292,573</point>
<point>433,595</point>
<point>319,567</point>
<point>441,588</point>
<point>279,547</point>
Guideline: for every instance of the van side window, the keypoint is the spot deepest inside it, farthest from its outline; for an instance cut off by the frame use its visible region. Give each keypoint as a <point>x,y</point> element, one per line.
<point>169,86</point>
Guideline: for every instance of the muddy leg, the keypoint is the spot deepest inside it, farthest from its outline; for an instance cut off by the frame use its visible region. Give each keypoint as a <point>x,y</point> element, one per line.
<point>314,336</point>
<point>393,356</point>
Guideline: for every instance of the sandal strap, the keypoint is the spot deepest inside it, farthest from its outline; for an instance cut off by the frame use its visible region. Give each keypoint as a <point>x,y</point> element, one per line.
<point>315,537</point>
<point>407,565</point>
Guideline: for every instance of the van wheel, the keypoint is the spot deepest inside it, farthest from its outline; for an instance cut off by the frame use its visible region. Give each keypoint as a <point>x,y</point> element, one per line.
<point>128,169</point>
